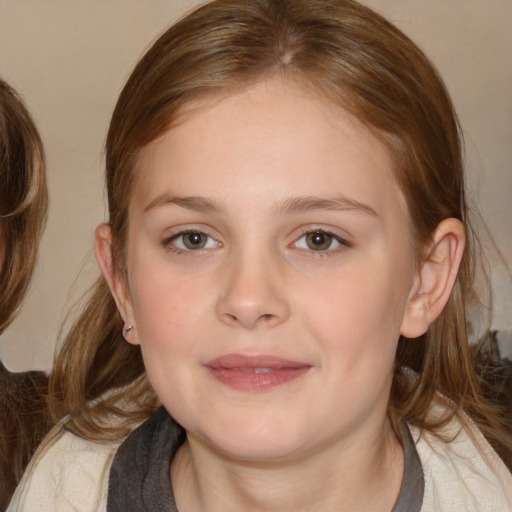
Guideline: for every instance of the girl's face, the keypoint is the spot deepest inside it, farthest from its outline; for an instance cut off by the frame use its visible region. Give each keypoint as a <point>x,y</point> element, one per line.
<point>269,271</point>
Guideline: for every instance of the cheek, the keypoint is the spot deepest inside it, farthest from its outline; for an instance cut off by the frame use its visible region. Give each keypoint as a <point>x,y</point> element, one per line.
<point>168,309</point>
<point>357,303</point>
<point>169,316</point>
<point>357,315</point>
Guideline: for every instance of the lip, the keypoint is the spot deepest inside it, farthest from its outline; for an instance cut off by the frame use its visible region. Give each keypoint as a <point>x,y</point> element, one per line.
<point>255,373</point>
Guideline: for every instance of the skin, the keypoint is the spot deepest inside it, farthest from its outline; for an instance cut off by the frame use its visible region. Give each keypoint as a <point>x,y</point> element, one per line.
<point>256,159</point>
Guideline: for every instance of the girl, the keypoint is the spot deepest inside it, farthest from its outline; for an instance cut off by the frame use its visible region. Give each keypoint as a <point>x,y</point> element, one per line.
<point>287,261</point>
<point>23,202</point>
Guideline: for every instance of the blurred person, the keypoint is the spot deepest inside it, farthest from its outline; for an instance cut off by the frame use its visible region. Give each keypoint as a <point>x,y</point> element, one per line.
<point>23,208</point>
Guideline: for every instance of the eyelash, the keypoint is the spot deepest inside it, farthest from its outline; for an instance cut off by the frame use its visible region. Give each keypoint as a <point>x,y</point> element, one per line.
<point>343,243</point>
<point>169,243</point>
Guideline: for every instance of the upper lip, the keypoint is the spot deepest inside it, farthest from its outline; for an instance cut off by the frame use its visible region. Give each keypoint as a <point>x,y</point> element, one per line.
<point>232,361</point>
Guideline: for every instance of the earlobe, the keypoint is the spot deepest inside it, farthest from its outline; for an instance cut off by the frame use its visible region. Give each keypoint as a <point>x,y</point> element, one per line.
<point>117,285</point>
<point>436,278</point>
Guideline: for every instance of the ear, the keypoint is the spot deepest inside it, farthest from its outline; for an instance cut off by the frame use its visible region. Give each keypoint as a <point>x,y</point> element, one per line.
<point>118,286</point>
<point>435,279</point>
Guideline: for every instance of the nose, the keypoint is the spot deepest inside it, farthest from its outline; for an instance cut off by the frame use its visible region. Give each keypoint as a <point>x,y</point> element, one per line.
<point>253,294</point>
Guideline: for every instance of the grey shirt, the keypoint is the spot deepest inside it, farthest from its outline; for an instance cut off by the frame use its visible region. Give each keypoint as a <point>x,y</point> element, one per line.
<point>140,472</point>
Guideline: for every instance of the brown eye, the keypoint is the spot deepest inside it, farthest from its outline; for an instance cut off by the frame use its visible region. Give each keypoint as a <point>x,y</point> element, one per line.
<point>194,240</point>
<point>191,241</point>
<point>319,240</point>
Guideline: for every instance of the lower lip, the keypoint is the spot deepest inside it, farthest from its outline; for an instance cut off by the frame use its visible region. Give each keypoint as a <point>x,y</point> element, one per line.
<point>253,380</point>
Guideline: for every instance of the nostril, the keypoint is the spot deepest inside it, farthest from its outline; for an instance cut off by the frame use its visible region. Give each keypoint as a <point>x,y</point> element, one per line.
<point>232,319</point>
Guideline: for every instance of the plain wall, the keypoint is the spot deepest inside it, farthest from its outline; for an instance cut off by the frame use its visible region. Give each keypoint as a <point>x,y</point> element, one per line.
<point>69,60</point>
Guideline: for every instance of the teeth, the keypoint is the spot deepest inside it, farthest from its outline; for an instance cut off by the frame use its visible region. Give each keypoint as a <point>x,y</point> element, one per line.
<point>253,370</point>
<point>262,370</point>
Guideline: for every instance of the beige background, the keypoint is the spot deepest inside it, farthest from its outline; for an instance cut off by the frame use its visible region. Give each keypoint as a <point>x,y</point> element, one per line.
<point>69,60</point>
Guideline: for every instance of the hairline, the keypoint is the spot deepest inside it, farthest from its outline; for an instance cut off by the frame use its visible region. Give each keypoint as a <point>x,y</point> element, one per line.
<point>294,77</point>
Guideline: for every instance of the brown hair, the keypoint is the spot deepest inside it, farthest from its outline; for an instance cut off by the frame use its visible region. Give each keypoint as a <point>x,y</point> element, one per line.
<point>23,200</point>
<point>358,60</point>
<point>23,204</point>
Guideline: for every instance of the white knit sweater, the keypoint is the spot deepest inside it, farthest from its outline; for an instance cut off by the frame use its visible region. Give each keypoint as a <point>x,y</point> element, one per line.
<point>464,475</point>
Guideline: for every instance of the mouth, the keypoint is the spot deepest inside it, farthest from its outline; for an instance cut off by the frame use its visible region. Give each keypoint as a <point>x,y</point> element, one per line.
<point>255,373</point>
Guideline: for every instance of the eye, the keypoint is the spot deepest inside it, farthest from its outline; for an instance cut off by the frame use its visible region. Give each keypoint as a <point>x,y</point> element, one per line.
<point>319,240</point>
<point>192,241</point>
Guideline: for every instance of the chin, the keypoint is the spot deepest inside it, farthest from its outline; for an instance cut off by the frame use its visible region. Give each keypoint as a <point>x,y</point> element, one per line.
<point>255,443</point>
<point>257,452</point>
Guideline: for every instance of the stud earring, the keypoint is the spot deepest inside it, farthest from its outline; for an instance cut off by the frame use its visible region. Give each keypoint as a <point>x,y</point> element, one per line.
<point>127,329</point>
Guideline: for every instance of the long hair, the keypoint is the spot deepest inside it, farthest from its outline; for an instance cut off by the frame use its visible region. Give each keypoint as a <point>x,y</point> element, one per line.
<point>23,204</point>
<point>347,53</point>
<point>23,201</point>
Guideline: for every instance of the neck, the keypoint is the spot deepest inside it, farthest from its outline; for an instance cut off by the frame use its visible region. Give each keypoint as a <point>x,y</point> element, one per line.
<point>362,474</point>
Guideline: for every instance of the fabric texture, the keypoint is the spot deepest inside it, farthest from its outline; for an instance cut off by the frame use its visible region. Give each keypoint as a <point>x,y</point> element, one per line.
<point>66,474</point>
<point>71,474</point>
<point>24,422</point>
<point>144,460</point>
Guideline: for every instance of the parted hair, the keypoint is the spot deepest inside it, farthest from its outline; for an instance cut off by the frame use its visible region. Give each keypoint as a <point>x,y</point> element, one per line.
<point>354,58</point>
<point>23,200</point>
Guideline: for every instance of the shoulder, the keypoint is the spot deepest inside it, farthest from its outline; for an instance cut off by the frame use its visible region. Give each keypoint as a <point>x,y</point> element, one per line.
<point>23,423</point>
<point>66,473</point>
<point>463,472</point>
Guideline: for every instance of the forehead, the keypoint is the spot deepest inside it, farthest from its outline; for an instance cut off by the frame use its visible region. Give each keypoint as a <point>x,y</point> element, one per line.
<point>272,134</point>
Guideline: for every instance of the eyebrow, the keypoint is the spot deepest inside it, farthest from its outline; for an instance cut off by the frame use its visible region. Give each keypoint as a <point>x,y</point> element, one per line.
<point>195,203</point>
<point>291,205</point>
<point>336,203</point>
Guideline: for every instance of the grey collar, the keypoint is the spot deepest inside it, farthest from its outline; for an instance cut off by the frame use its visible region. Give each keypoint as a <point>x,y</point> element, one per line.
<point>140,474</point>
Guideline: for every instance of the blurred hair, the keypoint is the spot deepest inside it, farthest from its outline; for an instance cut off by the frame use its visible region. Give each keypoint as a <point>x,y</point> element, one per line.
<point>23,206</point>
<point>351,56</point>
<point>23,200</point>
